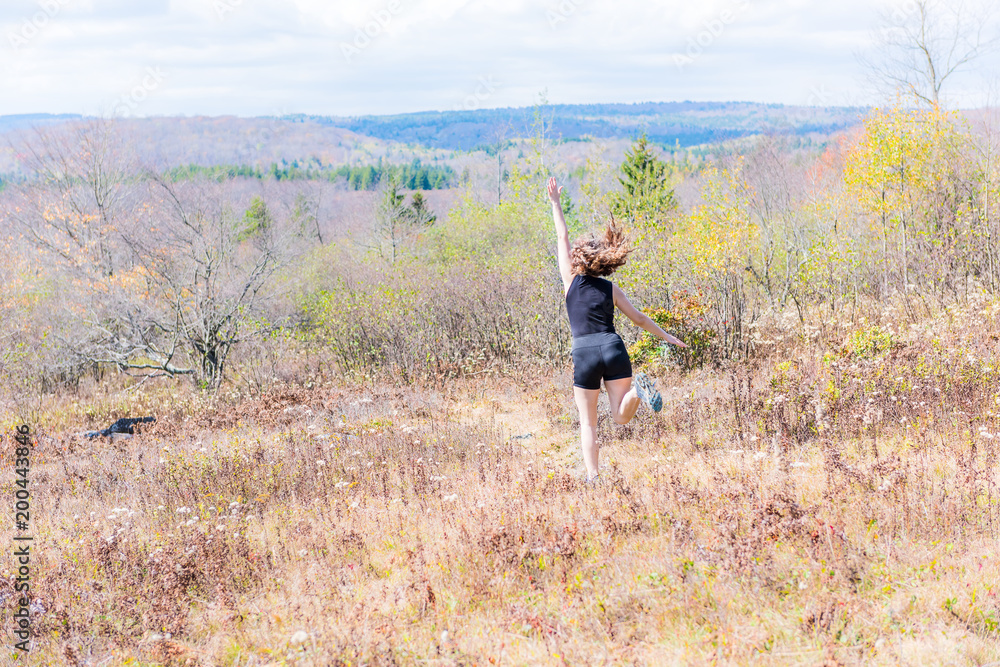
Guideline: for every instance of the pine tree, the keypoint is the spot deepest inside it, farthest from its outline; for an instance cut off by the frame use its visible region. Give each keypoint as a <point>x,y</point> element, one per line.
<point>419,211</point>
<point>257,221</point>
<point>646,180</point>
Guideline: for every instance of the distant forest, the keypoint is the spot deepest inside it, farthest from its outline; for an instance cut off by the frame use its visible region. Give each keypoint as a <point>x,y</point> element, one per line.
<point>412,176</point>
<point>667,123</point>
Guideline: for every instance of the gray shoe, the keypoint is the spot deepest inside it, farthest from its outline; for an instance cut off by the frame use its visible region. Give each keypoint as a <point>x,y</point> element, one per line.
<point>646,390</point>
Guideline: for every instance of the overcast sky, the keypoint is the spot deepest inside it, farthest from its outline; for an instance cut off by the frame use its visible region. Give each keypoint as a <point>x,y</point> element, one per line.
<point>349,57</point>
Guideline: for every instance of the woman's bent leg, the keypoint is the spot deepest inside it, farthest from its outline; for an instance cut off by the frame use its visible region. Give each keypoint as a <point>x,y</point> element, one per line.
<point>586,403</point>
<point>623,398</point>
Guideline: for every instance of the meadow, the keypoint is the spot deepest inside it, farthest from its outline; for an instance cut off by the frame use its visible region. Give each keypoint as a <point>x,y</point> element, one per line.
<point>366,449</point>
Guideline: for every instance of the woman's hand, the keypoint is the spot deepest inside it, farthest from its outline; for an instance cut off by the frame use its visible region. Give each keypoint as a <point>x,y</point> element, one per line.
<point>555,192</point>
<point>674,340</point>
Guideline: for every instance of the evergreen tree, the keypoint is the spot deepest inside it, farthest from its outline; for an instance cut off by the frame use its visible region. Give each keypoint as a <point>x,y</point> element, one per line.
<point>646,182</point>
<point>257,221</point>
<point>395,222</point>
<point>420,213</point>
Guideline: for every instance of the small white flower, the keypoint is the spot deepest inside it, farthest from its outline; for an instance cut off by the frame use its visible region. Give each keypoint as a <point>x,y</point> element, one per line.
<point>321,462</point>
<point>299,638</point>
<point>183,510</point>
<point>220,528</point>
<point>303,553</point>
<point>191,521</point>
<point>355,504</point>
<point>453,498</point>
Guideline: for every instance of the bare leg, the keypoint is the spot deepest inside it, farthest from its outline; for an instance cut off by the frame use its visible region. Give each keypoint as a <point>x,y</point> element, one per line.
<point>586,403</point>
<point>624,399</point>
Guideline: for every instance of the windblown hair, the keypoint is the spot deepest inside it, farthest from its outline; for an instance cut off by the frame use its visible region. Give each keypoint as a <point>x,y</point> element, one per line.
<point>593,256</point>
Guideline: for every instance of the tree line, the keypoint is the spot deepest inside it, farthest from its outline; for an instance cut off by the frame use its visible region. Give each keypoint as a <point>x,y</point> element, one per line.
<point>412,176</point>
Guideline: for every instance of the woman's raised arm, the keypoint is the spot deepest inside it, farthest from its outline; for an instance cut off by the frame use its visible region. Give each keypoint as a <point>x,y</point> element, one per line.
<point>562,235</point>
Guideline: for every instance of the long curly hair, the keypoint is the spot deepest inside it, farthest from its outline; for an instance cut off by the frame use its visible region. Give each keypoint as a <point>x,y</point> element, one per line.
<point>600,256</point>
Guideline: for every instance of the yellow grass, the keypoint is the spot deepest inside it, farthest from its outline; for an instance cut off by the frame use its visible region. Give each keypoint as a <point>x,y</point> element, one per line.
<point>374,524</point>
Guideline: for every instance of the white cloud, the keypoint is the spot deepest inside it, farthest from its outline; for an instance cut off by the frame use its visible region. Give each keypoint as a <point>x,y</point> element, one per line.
<point>252,57</point>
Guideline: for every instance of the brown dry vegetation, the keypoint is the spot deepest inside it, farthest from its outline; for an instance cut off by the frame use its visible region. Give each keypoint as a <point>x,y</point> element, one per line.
<point>832,502</point>
<point>371,459</point>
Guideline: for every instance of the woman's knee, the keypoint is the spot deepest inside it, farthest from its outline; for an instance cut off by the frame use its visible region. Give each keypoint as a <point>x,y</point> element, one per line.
<point>621,419</point>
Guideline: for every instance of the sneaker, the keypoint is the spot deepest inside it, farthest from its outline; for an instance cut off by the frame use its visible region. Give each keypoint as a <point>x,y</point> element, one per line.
<point>646,390</point>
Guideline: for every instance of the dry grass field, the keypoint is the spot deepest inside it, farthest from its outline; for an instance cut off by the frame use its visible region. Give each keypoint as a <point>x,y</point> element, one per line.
<point>835,502</point>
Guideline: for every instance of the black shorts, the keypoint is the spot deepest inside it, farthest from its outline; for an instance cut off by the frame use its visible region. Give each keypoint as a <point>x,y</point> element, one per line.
<point>597,356</point>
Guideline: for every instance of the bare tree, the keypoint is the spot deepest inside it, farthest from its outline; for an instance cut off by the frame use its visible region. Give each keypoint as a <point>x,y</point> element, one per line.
<point>495,148</point>
<point>207,269</point>
<point>80,194</point>
<point>774,190</point>
<point>155,278</point>
<point>922,44</point>
<point>985,150</point>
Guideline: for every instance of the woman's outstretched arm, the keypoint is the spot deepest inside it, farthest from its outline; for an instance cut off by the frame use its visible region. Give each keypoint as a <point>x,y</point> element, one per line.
<point>642,320</point>
<point>562,235</point>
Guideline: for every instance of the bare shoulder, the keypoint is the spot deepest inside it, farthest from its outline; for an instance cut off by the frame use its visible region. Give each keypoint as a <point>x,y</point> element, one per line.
<point>618,294</point>
<point>623,304</point>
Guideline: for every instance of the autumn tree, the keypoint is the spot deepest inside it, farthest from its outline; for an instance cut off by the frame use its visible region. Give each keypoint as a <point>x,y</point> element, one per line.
<point>156,278</point>
<point>907,180</point>
<point>80,195</point>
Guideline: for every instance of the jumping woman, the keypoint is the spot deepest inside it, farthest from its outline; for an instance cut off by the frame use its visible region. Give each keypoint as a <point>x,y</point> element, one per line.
<point>598,351</point>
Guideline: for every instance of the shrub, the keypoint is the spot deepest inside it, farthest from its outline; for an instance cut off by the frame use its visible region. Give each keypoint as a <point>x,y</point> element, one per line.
<point>686,320</point>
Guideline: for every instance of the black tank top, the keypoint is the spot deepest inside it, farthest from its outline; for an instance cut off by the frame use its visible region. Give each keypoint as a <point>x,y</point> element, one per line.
<point>590,304</point>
